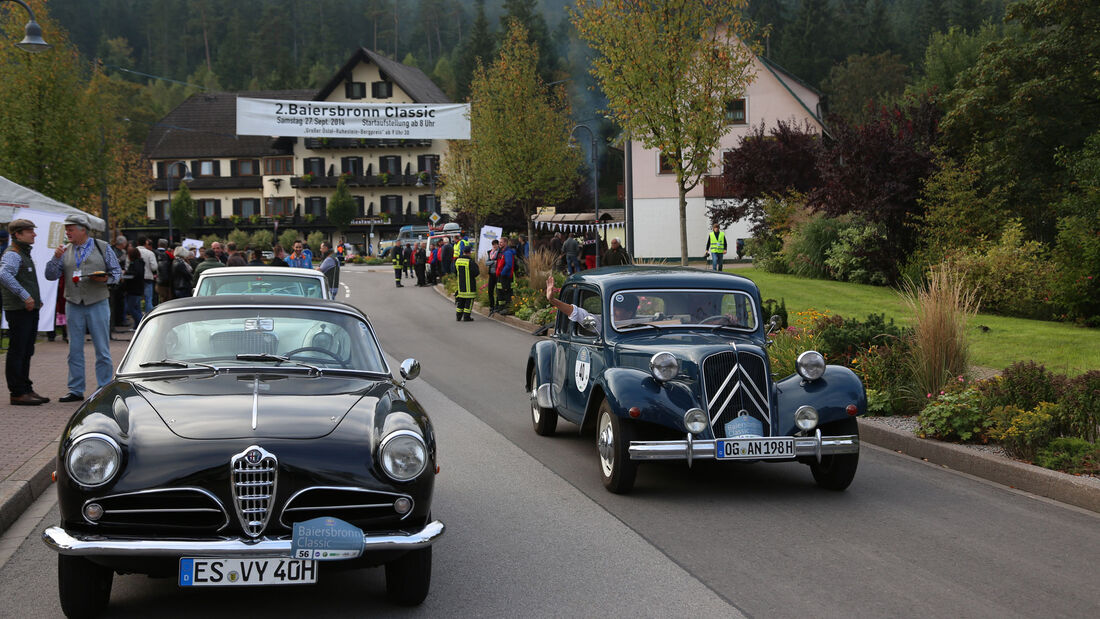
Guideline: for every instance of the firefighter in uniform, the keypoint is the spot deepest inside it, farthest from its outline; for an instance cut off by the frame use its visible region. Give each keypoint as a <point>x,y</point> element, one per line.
<point>467,271</point>
<point>716,248</point>
<point>397,264</point>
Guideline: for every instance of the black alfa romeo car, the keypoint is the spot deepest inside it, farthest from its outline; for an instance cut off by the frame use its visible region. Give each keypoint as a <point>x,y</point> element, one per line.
<point>244,441</point>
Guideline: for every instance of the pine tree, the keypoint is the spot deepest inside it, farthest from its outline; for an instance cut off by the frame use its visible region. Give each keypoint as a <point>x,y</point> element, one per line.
<point>477,49</point>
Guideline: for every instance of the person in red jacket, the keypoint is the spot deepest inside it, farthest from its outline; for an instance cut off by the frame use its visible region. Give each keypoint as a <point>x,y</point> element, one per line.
<point>506,265</point>
<point>491,266</point>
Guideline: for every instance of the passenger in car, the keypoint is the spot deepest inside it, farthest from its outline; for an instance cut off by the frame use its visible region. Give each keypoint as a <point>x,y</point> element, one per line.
<point>624,308</point>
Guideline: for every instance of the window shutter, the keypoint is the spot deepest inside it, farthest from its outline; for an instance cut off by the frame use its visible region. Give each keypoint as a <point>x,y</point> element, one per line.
<point>370,210</point>
<point>237,207</point>
<point>195,169</point>
<point>233,169</point>
<point>217,208</point>
<point>217,168</point>
<point>358,205</point>
<point>160,169</point>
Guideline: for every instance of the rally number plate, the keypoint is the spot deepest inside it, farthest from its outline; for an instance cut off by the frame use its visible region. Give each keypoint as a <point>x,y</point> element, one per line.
<point>754,448</point>
<point>203,572</point>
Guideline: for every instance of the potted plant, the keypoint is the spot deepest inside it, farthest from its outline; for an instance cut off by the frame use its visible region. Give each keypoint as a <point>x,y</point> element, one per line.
<point>384,178</point>
<point>210,220</point>
<point>309,218</point>
<point>234,219</point>
<point>423,176</point>
<point>254,219</point>
<point>307,178</point>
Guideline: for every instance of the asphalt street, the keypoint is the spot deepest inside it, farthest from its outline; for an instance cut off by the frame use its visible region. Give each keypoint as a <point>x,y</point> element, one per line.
<point>531,530</point>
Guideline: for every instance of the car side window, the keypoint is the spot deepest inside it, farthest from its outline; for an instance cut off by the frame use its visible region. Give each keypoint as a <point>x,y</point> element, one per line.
<point>562,324</point>
<point>589,301</point>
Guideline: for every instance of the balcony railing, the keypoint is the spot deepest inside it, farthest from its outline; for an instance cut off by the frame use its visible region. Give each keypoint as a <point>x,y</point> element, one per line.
<point>345,143</point>
<point>374,180</point>
<point>716,187</point>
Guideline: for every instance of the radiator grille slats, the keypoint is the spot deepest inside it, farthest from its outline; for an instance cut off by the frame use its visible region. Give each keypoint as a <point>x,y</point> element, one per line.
<point>347,503</point>
<point>189,509</point>
<point>735,381</point>
<point>255,474</point>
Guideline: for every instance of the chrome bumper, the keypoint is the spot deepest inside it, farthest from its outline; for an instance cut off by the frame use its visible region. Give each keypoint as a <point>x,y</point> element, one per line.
<point>67,543</point>
<point>690,449</point>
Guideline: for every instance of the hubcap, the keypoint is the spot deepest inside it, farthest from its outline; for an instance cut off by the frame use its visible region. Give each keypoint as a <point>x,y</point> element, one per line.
<point>605,443</point>
<point>535,405</point>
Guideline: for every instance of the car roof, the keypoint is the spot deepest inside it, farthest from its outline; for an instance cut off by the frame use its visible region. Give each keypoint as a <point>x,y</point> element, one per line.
<point>246,270</point>
<point>646,276</point>
<point>251,300</point>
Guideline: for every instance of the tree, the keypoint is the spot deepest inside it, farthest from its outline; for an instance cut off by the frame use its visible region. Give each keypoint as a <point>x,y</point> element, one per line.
<point>341,206</point>
<point>668,70</point>
<point>183,210</point>
<point>949,54</point>
<point>1032,93</point>
<point>519,131</point>
<point>462,187</point>
<point>810,45</point>
<point>854,86</point>
<point>478,49</point>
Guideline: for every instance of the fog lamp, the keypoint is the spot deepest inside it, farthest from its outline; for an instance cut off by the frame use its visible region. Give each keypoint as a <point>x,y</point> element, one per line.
<point>805,418</point>
<point>695,420</point>
<point>93,512</point>
<point>402,505</point>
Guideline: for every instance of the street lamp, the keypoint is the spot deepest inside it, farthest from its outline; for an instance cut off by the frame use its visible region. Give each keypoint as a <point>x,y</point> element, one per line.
<point>32,39</point>
<point>187,178</point>
<point>595,182</point>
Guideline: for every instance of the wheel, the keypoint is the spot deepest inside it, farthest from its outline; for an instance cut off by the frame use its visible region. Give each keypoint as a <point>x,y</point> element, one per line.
<point>836,472</point>
<point>613,436</point>
<point>408,578</point>
<point>545,420</point>
<point>83,587</point>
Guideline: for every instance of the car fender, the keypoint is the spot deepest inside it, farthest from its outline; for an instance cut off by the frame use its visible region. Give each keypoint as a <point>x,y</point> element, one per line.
<point>659,403</point>
<point>540,359</point>
<point>830,395</point>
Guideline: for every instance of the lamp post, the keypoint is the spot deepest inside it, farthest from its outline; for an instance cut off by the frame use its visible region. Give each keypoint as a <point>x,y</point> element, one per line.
<point>32,39</point>
<point>595,182</point>
<point>187,178</point>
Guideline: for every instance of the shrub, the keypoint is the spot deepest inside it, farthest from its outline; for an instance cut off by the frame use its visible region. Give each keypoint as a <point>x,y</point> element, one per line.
<point>287,239</point>
<point>1023,385</point>
<point>854,254</point>
<point>806,247</point>
<point>314,241</point>
<point>1072,455</point>
<point>770,308</point>
<point>239,237</point>
<point>262,240</point>
<point>766,254</point>
<point>1076,256</point>
<point>1014,277</point>
<point>954,417</point>
<point>844,339</point>
<point>524,313</point>
<point>942,305</point>
<point>884,371</point>
<point>1080,407</point>
<point>787,344</point>
<point>544,316</point>
<point>1023,432</point>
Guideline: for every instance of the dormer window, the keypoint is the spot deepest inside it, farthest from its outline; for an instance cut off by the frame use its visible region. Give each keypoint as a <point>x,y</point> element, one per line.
<point>355,90</point>
<point>381,90</point>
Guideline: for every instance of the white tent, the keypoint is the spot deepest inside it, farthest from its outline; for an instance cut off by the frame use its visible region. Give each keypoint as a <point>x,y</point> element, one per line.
<point>18,202</point>
<point>15,197</point>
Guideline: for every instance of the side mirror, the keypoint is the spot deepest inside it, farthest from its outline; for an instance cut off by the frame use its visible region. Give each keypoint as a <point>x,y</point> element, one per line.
<point>589,322</point>
<point>410,369</point>
<point>773,324</point>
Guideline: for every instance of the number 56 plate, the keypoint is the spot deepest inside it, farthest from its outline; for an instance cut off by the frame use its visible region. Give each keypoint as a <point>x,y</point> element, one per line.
<point>754,448</point>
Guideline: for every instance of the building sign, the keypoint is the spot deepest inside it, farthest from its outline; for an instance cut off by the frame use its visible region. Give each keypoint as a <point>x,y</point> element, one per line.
<point>364,221</point>
<point>324,119</point>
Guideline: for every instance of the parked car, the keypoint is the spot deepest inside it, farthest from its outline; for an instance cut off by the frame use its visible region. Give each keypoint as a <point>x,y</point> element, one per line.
<point>672,364</point>
<point>295,282</point>
<point>247,440</point>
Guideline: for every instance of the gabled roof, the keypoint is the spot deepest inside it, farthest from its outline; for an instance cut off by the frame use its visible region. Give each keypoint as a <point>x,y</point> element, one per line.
<point>410,79</point>
<point>205,125</point>
<point>786,78</point>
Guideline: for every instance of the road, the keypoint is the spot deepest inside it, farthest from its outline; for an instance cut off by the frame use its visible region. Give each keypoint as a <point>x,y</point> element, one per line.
<point>531,530</point>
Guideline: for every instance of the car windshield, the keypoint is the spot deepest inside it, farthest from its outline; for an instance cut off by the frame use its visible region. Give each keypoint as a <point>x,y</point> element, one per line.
<point>638,309</point>
<point>240,336</point>
<point>244,283</point>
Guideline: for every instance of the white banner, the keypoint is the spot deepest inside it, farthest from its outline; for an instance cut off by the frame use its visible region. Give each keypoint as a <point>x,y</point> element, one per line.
<point>51,233</point>
<point>325,119</point>
<point>488,235</point>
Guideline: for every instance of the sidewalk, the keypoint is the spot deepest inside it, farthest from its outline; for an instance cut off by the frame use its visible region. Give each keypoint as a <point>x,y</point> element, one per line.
<point>29,434</point>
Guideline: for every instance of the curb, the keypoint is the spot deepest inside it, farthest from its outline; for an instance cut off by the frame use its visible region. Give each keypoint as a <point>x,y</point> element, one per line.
<point>20,489</point>
<point>1082,492</point>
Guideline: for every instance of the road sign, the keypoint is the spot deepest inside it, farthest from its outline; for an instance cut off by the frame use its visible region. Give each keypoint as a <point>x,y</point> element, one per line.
<point>434,218</point>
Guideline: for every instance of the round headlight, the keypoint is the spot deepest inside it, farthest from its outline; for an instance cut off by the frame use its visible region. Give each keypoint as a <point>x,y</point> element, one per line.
<point>695,420</point>
<point>805,418</point>
<point>664,366</point>
<point>810,365</point>
<point>94,459</point>
<point>404,455</point>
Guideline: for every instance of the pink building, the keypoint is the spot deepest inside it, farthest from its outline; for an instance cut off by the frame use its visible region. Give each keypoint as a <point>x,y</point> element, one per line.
<point>774,95</point>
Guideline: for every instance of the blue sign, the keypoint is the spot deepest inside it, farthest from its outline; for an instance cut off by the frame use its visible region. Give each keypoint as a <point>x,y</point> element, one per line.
<point>745,425</point>
<point>326,539</point>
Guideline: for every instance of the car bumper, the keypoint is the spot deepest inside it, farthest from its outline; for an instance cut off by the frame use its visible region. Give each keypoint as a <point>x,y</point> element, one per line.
<point>81,544</point>
<point>690,449</point>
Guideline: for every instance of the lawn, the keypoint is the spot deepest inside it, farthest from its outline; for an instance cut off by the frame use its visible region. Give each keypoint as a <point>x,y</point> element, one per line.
<point>1060,347</point>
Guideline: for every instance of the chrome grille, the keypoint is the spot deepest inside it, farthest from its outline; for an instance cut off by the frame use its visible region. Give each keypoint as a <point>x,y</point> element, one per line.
<point>346,503</point>
<point>255,472</point>
<point>193,509</point>
<point>736,381</point>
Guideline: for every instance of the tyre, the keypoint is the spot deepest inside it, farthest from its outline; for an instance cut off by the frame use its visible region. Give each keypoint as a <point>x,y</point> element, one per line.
<point>613,436</point>
<point>544,420</point>
<point>83,587</point>
<point>408,578</point>
<point>837,471</point>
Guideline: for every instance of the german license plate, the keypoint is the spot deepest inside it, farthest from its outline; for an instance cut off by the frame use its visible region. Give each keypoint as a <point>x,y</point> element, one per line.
<point>202,572</point>
<point>754,448</point>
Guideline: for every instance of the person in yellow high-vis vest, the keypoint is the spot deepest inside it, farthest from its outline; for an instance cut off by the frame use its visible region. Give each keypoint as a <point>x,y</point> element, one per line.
<point>398,264</point>
<point>467,272</point>
<point>716,248</point>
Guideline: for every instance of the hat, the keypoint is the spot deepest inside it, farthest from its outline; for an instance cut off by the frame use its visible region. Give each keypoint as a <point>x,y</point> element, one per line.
<point>19,224</point>
<point>78,219</point>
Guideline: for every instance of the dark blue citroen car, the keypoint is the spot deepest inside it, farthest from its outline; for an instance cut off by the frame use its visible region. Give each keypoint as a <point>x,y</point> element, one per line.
<point>671,363</point>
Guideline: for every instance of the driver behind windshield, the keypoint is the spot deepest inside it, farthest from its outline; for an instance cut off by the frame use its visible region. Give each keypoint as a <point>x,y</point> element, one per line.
<point>622,310</point>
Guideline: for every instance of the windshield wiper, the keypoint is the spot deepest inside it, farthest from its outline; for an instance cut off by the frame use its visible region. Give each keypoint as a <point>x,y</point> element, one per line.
<point>174,363</point>
<point>719,327</point>
<point>263,356</point>
<point>639,324</point>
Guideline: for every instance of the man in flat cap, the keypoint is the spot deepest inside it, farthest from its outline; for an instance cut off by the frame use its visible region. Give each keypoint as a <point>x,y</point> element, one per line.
<point>22,300</point>
<point>89,267</point>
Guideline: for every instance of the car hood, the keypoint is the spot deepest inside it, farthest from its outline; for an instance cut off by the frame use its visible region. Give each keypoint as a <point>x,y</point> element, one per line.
<point>197,406</point>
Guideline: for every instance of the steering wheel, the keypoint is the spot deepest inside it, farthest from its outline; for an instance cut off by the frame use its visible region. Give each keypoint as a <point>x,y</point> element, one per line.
<point>324,351</point>
<point>718,319</point>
